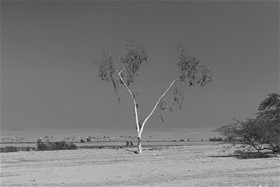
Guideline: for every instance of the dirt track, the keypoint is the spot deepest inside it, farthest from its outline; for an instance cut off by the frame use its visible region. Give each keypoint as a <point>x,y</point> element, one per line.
<point>197,165</point>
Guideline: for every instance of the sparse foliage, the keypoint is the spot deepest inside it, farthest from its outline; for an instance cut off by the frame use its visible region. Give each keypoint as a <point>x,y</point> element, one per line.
<point>260,133</point>
<point>132,60</point>
<point>190,73</point>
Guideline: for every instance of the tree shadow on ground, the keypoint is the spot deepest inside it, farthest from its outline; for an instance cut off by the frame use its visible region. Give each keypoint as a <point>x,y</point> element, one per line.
<point>222,156</point>
<point>247,155</point>
<point>132,151</point>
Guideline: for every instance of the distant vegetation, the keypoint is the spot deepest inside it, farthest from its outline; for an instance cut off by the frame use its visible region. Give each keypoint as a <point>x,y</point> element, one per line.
<point>259,133</point>
<point>215,139</point>
<point>8,149</point>
<point>62,145</point>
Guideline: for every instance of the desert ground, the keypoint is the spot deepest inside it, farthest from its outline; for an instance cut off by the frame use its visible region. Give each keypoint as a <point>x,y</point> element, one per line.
<point>192,164</point>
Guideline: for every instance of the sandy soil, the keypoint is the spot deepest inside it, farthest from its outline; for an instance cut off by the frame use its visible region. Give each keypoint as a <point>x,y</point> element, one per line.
<point>196,165</point>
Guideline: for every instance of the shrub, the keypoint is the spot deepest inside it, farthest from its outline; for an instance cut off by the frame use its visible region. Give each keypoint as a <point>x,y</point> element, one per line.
<point>10,149</point>
<point>88,139</point>
<point>62,145</point>
<point>260,133</point>
<point>40,145</point>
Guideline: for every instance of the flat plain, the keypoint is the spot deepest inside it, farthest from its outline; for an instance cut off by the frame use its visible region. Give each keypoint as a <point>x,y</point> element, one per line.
<point>192,164</point>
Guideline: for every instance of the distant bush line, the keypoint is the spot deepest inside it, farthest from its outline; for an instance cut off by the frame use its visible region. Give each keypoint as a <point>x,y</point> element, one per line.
<point>62,145</point>
<point>9,149</point>
<point>41,146</point>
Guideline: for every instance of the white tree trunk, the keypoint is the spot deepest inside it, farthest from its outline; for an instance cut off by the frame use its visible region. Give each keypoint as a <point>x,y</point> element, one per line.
<point>139,144</point>
<point>135,112</point>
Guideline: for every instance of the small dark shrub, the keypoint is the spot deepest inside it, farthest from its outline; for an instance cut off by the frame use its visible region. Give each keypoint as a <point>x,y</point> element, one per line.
<point>182,140</point>
<point>8,149</point>
<point>41,145</point>
<point>88,139</point>
<point>27,148</point>
<point>127,143</point>
<point>82,141</point>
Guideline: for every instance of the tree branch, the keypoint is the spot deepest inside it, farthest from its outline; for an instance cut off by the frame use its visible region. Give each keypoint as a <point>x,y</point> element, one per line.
<point>132,96</point>
<point>120,71</point>
<point>162,95</point>
<point>251,143</point>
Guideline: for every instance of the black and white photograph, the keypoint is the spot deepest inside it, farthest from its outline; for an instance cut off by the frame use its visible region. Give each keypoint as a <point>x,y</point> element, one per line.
<point>131,93</point>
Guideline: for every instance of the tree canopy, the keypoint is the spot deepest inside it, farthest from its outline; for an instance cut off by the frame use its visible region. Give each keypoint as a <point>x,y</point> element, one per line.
<point>125,70</point>
<point>261,132</point>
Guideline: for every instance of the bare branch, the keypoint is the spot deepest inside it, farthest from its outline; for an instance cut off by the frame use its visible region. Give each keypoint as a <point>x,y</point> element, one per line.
<point>132,97</point>
<point>162,95</point>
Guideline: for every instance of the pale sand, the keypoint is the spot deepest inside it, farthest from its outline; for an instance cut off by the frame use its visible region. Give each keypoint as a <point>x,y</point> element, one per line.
<point>197,165</point>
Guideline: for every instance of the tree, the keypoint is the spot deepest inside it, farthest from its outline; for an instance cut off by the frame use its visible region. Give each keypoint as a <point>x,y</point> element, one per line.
<point>190,73</point>
<point>269,115</point>
<point>260,133</point>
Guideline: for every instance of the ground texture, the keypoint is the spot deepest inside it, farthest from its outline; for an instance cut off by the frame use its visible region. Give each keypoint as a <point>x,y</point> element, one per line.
<point>189,165</point>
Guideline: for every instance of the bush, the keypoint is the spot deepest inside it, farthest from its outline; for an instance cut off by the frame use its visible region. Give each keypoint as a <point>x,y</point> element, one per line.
<point>62,145</point>
<point>8,149</point>
<point>260,133</point>
<point>127,143</point>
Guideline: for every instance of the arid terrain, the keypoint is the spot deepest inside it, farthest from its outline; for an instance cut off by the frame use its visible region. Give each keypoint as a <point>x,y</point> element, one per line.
<point>193,164</point>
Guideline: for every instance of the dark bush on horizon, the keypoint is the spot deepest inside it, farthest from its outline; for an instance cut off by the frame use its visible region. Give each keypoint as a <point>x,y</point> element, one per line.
<point>62,145</point>
<point>8,149</point>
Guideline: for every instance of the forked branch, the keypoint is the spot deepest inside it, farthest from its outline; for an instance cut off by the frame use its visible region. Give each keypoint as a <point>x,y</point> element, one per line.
<point>153,110</point>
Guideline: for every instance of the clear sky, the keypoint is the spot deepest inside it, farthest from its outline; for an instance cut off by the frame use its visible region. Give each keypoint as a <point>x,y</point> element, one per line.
<point>47,50</point>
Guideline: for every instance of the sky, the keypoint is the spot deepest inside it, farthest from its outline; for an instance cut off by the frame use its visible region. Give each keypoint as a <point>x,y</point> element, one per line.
<point>47,49</point>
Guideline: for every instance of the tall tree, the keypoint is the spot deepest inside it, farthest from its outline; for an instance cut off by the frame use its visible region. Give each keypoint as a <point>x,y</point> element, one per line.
<point>190,74</point>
